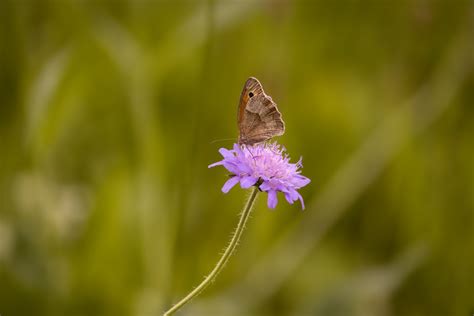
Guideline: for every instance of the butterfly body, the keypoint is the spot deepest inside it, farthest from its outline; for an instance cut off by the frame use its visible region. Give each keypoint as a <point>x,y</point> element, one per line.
<point>258,116</point>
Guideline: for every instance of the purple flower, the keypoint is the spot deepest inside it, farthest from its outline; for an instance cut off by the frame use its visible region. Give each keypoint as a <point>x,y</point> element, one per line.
<point>265,165</point>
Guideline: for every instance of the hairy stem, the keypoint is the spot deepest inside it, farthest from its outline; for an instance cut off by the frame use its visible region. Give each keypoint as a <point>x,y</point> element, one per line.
<point>225,257</point>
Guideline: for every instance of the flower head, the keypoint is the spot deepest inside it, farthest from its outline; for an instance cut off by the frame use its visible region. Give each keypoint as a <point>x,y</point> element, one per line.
<point>265,165</point>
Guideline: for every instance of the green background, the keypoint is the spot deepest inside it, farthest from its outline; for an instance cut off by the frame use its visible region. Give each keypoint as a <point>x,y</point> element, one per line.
<point>108,113</point>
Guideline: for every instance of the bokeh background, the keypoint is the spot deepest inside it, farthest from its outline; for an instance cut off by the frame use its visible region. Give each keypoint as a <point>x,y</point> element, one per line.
<point>108,115</point>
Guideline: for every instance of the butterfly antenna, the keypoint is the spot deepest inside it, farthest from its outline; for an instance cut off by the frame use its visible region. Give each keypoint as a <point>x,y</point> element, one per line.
<point>221,140</point>
<point>246,147</point>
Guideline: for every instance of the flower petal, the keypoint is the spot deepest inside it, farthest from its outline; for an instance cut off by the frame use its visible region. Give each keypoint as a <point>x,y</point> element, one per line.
<point>232,167</point>
<point>219,163</point>
<point>288,198</point>
<point>301,200</point>
<point>300,181</point>
<point>265,186</point>
<point>238,150</point>
<point>226,153</point>
<point>293,194</point>
<point>247,182</point>
<point>272,199</point>
<point>230,184</point>
<point>245,168</point>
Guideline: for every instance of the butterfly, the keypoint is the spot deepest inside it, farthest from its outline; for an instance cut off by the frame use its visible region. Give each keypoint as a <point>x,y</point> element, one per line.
<point>258,116</point>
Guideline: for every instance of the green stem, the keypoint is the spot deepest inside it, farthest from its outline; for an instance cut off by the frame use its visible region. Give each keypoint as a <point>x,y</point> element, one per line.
<point>225,257</point>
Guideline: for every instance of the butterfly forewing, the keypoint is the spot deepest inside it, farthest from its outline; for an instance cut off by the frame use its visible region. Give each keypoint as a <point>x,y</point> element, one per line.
<point>251,89</point>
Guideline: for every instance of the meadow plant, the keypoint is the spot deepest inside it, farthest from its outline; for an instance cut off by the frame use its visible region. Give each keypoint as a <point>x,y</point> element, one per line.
<point>266,167</point>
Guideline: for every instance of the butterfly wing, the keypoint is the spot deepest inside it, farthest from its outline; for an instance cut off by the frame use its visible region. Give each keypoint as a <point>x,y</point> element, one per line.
<point>258,117</point>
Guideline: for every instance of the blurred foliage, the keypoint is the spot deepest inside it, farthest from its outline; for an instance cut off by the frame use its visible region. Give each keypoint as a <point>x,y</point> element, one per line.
<point>108,110</point>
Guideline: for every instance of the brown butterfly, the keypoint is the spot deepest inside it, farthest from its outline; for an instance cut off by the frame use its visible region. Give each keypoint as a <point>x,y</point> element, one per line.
<point>258,117</point>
